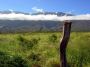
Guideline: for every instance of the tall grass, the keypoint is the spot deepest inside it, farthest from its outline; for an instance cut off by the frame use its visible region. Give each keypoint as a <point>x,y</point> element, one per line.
<point>42,49</point>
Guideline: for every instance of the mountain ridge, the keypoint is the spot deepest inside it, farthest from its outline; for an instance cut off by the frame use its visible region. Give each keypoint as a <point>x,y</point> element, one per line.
<point>15,26</point>
<point>36,13</point>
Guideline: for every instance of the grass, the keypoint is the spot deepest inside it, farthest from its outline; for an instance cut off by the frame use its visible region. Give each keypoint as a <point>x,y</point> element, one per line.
<point>44,51</point>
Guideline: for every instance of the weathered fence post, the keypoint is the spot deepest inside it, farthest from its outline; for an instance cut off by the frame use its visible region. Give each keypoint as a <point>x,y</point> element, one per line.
<point>64,42</point>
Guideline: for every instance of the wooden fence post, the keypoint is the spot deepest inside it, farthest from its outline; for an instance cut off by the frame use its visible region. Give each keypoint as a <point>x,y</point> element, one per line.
<point>64,42</point>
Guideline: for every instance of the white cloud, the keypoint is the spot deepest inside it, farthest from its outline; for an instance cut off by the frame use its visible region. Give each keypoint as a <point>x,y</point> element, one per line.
<point>70,12</point>
<point>50,17</point>
<point>37,9</point>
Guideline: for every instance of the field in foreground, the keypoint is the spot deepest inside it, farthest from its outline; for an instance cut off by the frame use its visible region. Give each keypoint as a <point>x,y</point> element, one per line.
<point>42,50</point>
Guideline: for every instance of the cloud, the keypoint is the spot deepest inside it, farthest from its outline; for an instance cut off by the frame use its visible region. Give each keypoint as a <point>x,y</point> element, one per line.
<point>49,17</point>
<point>11,10</point>
<point>70,12</point>
<point>37,9</point>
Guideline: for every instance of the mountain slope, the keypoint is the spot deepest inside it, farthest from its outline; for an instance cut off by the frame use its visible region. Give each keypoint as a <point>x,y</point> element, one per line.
<point>46,25</point>
<point>32,26</point>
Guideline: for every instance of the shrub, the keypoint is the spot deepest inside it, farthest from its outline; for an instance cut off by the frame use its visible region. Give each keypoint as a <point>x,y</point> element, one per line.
<point>11,61</point>
<point>27,44</point>
<point>20,38</point>
<point>34,56</point>
<point>34,41</point>
<point>30,44</point>
<point>35,59</point>
<point>4,58</point>
<point>17,61</point>
<point>53,38</point>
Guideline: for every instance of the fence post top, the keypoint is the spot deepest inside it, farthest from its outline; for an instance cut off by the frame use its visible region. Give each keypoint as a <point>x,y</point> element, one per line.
<point>66,22</point>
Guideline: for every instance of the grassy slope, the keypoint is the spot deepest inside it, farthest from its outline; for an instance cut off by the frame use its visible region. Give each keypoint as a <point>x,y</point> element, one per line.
<point>47,53</point>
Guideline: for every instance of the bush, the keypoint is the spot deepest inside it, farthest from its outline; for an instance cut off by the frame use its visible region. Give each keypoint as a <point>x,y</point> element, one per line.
<point>11,61</point>
<point>27,44</point>
<point>20,38</point>
<point>4,58</point>
<point>35,59</point>
<point>34,56</point>
<point>17,61</point>
<point>53,38</point>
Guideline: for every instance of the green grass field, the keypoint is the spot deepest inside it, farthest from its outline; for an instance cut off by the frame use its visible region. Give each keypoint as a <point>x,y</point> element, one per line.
<point>42,50</point>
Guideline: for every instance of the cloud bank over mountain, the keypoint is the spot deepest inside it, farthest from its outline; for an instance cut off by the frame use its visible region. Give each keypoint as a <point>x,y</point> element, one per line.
<point>15,21</point>
<point>42,16</point>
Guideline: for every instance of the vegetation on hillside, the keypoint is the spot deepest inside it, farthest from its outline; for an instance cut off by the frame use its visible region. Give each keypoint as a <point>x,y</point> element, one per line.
<point>42,50</point>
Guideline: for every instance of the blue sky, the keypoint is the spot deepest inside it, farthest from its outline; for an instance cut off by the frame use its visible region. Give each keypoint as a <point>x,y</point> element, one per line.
<point>74,6</point>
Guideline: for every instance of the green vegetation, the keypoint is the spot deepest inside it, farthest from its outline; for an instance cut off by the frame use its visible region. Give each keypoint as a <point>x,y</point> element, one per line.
<point>42,50</point>
<point>11,61</point>
<point>53,38</point>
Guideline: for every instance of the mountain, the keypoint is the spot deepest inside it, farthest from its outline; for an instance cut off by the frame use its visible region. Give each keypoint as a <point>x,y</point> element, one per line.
<point>13,26</point>
<point>11,11</point>
<point>35,13</point>
<point>7,26</point>
<point>52,13</point>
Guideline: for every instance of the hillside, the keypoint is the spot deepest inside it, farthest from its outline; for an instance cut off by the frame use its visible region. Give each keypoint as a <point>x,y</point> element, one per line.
<point>17,24</point>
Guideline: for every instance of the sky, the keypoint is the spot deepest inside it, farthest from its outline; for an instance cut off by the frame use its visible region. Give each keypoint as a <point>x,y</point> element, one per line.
<point>68,6</point>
